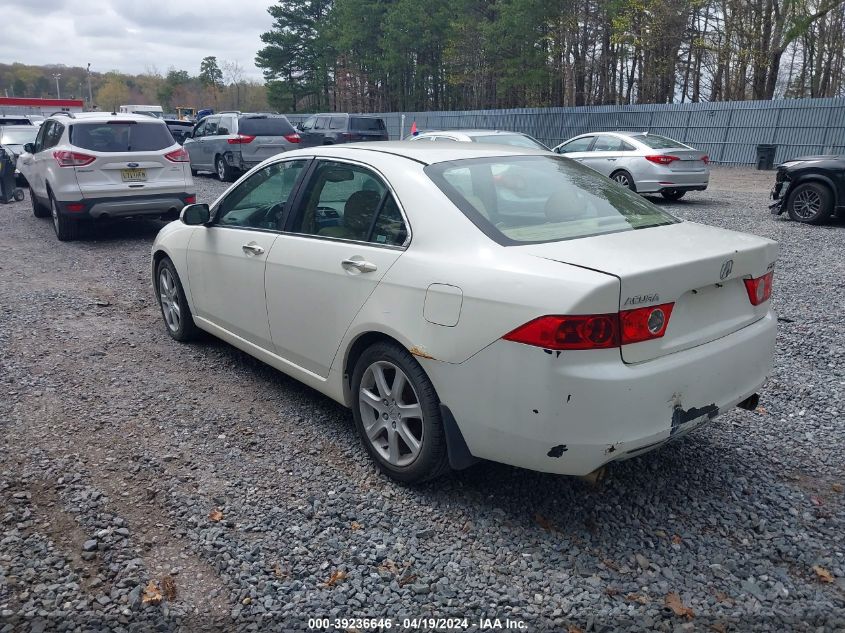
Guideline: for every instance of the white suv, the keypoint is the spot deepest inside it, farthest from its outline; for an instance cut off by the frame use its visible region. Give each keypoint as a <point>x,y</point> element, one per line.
<point>99,165</point>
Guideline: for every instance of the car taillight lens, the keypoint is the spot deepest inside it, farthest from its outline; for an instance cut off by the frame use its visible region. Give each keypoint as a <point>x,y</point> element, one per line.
<point>292,138</point>
<point>190,199</point>
<point>661,159</point>
<point>705,159</point>
<point>178,156</point>
<point>590,331</point>
<point>760,289</point>
<point>240,139</point>
<point>72,159</point>
<point>644,324</point>
<point>594,331</point>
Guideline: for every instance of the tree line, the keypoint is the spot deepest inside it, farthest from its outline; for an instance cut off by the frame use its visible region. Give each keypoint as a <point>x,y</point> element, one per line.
<point>402,55</point>
<point>219,85</point>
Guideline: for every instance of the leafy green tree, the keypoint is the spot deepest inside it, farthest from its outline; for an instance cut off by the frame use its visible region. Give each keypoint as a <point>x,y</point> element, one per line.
<point>210,73</point>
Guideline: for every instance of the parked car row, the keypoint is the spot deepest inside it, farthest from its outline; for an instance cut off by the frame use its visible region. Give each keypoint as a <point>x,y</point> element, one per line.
<point>474,301</point>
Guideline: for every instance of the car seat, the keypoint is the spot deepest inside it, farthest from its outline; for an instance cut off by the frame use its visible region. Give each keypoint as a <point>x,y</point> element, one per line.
<point>358,214</point>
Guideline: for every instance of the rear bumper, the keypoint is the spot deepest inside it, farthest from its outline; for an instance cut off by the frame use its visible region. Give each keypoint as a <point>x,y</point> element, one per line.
<point>126,206</point>
<point>571,413</point>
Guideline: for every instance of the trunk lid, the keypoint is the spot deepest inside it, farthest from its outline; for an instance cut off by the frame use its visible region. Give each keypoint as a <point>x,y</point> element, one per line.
<point>271,135</point>
<point>699,268</point>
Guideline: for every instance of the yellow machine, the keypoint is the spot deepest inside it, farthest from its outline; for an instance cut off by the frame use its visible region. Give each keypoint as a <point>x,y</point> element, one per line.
<point>186,114</point>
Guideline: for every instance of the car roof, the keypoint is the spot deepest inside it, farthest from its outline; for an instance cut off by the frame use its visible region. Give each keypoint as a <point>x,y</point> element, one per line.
<point>19,127</point>
<point>425,153</point>
<point>99,117</point>
<point>473,132</point>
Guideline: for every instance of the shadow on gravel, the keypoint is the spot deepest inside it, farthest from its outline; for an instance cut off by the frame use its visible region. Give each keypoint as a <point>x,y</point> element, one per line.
<point>122,230</point>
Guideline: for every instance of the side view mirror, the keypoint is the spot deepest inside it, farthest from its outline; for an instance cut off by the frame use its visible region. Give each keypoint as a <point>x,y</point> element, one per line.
<point>29,148</point>
<point>195,214</point>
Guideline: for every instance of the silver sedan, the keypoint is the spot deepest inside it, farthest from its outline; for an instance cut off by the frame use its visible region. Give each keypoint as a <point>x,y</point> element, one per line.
<point>643,162</point>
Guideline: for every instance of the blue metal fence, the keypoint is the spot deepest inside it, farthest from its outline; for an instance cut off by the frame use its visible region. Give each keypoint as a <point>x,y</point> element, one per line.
<point>728,131</point>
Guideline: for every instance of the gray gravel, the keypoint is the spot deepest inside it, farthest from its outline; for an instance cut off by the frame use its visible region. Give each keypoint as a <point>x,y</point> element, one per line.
<point>127,458</point>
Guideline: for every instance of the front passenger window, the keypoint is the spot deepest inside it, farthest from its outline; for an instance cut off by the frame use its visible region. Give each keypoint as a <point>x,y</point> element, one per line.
<point>260,201</point>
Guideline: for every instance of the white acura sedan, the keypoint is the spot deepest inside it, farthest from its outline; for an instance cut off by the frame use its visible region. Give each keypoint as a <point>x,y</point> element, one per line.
<point>475,302</point>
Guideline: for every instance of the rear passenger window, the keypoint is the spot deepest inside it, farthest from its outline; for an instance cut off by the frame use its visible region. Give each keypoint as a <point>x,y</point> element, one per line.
<point>322,123</point>
<point>351,203</point>
<point>368,124</point>
<point>121,136</point>
<point>53,135</point>
<point>337,123</point>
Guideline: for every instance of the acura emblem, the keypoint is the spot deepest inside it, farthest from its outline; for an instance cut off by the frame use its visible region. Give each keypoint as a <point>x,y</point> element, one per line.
<point>727,267</point>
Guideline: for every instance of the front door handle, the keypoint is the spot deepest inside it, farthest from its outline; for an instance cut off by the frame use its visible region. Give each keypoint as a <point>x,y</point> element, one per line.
<point>254,249</point>
<point>360,265</point>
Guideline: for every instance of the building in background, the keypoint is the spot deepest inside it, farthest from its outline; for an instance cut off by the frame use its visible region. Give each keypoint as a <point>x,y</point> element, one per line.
<point>44,107</point>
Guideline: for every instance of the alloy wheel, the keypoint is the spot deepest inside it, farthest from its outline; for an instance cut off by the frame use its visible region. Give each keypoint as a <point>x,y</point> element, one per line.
<point>169,295</point>
<point>221,169</point>
<point>391,413</point>
<point>622,179</point>
<point>54,211</point>
<point>807,204</point>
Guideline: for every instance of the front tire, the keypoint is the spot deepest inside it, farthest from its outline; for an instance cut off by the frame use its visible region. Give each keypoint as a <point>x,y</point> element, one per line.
<point>224,172</point>
<point>66,229</point>
<point>177,316</point>
<point>672,194</point>
<point>810,203</point>
<point>38,209</point>
<point>624,178</point>
<point>397,414</point>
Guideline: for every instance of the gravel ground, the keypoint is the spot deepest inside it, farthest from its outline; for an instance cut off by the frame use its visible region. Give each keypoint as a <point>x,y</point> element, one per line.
<point>127,458</point>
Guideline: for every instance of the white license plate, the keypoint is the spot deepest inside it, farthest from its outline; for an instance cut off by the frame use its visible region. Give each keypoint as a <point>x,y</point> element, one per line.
<point>133,175</point>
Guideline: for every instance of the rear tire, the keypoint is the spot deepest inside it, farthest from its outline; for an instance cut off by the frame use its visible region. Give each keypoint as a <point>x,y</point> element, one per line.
<point>810,203</point>
<point>224,172</point>
<point>672,194</point>
<point>66,229</point>
<point>624,178</point>
<point>38,209</point>
<point>178,320</point>
<point>400,423</point>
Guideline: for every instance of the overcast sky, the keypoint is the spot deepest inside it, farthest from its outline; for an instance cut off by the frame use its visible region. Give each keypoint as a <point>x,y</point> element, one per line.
<point>131,36</point>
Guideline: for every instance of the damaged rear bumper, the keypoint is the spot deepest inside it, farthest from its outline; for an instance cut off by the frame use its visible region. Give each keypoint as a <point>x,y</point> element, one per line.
<point>573,412</point>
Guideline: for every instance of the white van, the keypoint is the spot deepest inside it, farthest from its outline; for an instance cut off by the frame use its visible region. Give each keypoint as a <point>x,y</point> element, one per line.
<point>149,110</point>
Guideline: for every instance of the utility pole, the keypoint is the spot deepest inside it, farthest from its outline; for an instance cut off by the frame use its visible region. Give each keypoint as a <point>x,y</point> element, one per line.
<point>57,76</point>
<point>90,98</point>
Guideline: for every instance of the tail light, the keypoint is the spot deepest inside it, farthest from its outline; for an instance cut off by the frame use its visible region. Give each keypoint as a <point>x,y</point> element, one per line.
<point>705,159</point>
<point>644,324</point>
<point>590,331</point>
<point>594,331</point>
<point>661,159</point>
<point>66,158</point>
<point>759,289</point>
<point>240,139</point>
<point>74,207</point>
<point>190,199</point>
<point>178,156</point>
<point>292,138</point>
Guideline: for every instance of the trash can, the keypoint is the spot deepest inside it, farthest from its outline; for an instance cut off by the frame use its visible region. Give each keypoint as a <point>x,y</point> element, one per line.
<point>766,156</point>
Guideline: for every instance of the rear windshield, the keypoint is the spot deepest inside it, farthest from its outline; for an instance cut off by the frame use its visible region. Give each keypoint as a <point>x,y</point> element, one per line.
<point>265,126</point>
<point>658,142</point>
<point>10,121</point>
<point>366,124</point>
<point>18,136</point>
<point>530,199</point>
<point>517,140</point>
<point>121,136</point>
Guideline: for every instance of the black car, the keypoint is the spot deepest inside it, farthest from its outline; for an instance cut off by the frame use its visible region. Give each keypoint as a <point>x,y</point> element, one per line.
<point>810,188</point>
<point>180,130</point>
<point>332,128</point>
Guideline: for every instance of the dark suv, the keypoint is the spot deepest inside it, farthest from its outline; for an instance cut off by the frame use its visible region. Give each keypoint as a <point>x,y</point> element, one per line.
<point>328,129</point>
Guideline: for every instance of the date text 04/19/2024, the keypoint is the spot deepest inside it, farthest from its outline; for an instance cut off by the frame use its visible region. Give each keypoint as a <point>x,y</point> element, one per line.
<point>416,624</point>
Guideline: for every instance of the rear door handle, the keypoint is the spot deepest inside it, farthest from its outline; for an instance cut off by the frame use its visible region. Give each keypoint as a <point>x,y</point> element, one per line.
<point>360,265</point>
<point>254,249</point>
